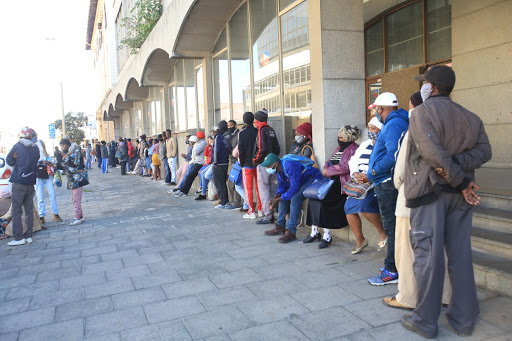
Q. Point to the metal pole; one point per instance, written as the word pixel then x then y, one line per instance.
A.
pixel 62 110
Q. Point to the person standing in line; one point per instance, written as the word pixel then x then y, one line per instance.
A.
pixel 266 143
pixel 98 154
pixel 44 179
pixel 142 152
pixel 88 150
pixel 440 191
pixel 123 160
pixel 165 162
pixel 23 158
pixel 382 160
pixel 235 200
pixel 246 143
pixel 172 155
pixel 130 155
pixel 220 161
pixel 155 160
pixel 104 157
pixel 73 165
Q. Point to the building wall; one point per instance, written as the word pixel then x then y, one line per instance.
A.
pixel 482 60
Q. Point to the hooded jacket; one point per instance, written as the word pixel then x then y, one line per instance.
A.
pixel 220 154
pixel 104 151
pixel 24 167
pixel 130 149
pixel 266 143
pixel 382 159
pixel 246 143
pixel 73 163
pixel 198 152
pixel 289 185
pixel 442 134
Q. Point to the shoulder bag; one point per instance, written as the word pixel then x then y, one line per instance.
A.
pixel 318 189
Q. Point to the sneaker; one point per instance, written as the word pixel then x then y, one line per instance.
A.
pixel 199 191
pixel 175 189
pixel 172 183
pixel 56 217
pixel 249 216
pixel 260 214
pixel 41 220
pixel 82 219
pixel 384 277
pixel 230 207
pixel 28 240
pixel 221 206
pixel 201 197
pixel 75 222
pixel 164 183
pixel 179 194
pixel 16 242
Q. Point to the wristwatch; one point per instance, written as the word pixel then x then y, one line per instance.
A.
pixel 373 172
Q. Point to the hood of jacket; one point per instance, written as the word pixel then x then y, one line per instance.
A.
pixel 27 143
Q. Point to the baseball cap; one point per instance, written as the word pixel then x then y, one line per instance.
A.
pixel 192 138
pixel 386 99
pixel 200 135
pixel 439 75
pixel 270 159
pixel 372 106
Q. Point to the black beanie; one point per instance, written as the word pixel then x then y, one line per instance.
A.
pixel 261 115
pixel 248 117
pixel 65 141
pixel 223 126
pixel 416 99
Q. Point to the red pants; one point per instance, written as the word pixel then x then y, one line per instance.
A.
pixel 250 176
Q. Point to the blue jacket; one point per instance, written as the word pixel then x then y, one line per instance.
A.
pixel 24 167
pixel 220 155
pixel 289 185
pixel 382 159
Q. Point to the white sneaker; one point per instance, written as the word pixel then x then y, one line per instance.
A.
pixel 82 219
pixel 28 240
pixel 260 214
pixel 179 194
pixel 75 222
pixel 16 242
pixel 249 216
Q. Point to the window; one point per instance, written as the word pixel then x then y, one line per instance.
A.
pixel 374 41
pixel 439 29
pixel 191 94
pixel 200 96
pixel 180 96
pixel 221 87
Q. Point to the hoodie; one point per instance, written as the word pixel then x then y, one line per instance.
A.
pixel 24 167
pixel 382 159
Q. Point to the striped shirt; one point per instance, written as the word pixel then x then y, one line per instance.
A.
pixel 359 161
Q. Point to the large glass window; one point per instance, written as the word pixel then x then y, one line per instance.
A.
pixel 374 40
pixel 200 96
pixel 240 63
pixel 405 37
pixel 180 96
pixel 221 86
pixel 265 62
pixel 439 29
pixel 191 94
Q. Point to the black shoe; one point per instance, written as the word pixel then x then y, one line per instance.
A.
pixel 264 221
pixel 410 326
pixel 244 209
pixel 201 197
pixel 173 183
pixel 324 243
pixel 310 239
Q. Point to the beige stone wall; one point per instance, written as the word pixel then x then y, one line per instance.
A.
pixel 402 84
pixel 482 60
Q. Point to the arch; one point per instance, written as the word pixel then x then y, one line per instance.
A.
pixel 105 116
pixel 134 92
pixel 199 31
pixel 121 104
pixel 157 69
pixel 112 112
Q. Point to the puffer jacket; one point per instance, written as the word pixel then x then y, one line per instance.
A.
pixel 24 166
pixel 442 134
pixel 382 159
pixel 293 177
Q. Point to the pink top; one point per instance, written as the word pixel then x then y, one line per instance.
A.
pixel 156 148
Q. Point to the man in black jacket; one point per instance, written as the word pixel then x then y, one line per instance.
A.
pixel 266 143
pixel 246 143
pixel 235 201
pixel 23 159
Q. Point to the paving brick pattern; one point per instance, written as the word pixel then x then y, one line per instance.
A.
pixel 147 266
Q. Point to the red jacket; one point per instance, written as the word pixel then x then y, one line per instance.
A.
pixel 130 150
pixel 208 155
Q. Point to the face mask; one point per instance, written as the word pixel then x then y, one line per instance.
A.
pixel 343 145
pixel 410 112
pixel 270 170
pixel 186 142
pixel 373 136
pixel 34 139
pixel 426 91
pixel 299 139
pixel 232 130
pixel 378 116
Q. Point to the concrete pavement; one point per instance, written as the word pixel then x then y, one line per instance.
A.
pixel 147 266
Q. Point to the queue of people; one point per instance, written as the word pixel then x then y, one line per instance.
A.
pixel 412 179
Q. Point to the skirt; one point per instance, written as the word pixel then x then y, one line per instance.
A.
pixel 155 159
pixel 367 205
pixel 328 213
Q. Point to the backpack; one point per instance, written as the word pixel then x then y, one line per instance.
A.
pixel 305 161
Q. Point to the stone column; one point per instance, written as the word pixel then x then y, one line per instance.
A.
pixel 208 93
pixel 336 31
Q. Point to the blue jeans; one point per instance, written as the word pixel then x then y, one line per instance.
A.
pixel 40 185
pixel 292 206
pixel 204 182
pixel 240 190
pixel 104 165
pixel 386 196
pixel 172 166
pixel 88 162
pixel 168 174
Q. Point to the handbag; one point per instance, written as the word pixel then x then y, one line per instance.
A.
pixel 318 189
pixel 235 175
pixel 42 171
pixel 357 190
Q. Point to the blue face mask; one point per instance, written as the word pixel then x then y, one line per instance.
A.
pixel 373 136
pixel 34 139
pixel 270 170
pixel 378 115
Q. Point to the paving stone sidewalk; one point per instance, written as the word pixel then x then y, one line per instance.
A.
pixel 147 266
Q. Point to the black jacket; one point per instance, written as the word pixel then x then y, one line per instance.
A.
pixel 246 143
pixel 24 166
pixel 266 143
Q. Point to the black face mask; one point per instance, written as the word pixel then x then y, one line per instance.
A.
pixel 343 145
pixel 232 130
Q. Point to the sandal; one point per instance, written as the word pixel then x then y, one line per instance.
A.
pixel 359 249
pixel 383 243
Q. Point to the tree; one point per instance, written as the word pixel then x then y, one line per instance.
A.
pixel 73 124
pixel 140 24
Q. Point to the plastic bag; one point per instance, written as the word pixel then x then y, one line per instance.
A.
pixel 57 179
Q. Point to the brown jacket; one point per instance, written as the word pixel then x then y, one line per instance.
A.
pixel 172 147
pixel 442 134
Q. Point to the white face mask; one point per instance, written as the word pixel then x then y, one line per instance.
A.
pixel 299 139
pixel 426 91
pixel 410 112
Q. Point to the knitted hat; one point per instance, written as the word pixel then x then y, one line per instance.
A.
pixel 27 133
pixel 305 129
pixel 261 115
pixel 223 126
pixel 349 133
pixel 248 117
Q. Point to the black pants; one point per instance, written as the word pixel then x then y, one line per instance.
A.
pixel 220 175
pixel 22 197
pixel 123 167
pixel 386 196
pixel 192 173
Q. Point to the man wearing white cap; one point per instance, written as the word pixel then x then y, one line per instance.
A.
pixel 382 160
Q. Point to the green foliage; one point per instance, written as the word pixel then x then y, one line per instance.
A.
pixel 145 15
pixel 73 124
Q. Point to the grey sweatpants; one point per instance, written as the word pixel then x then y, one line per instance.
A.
pixel 444 225
pixel 265 190
pixel 22 196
